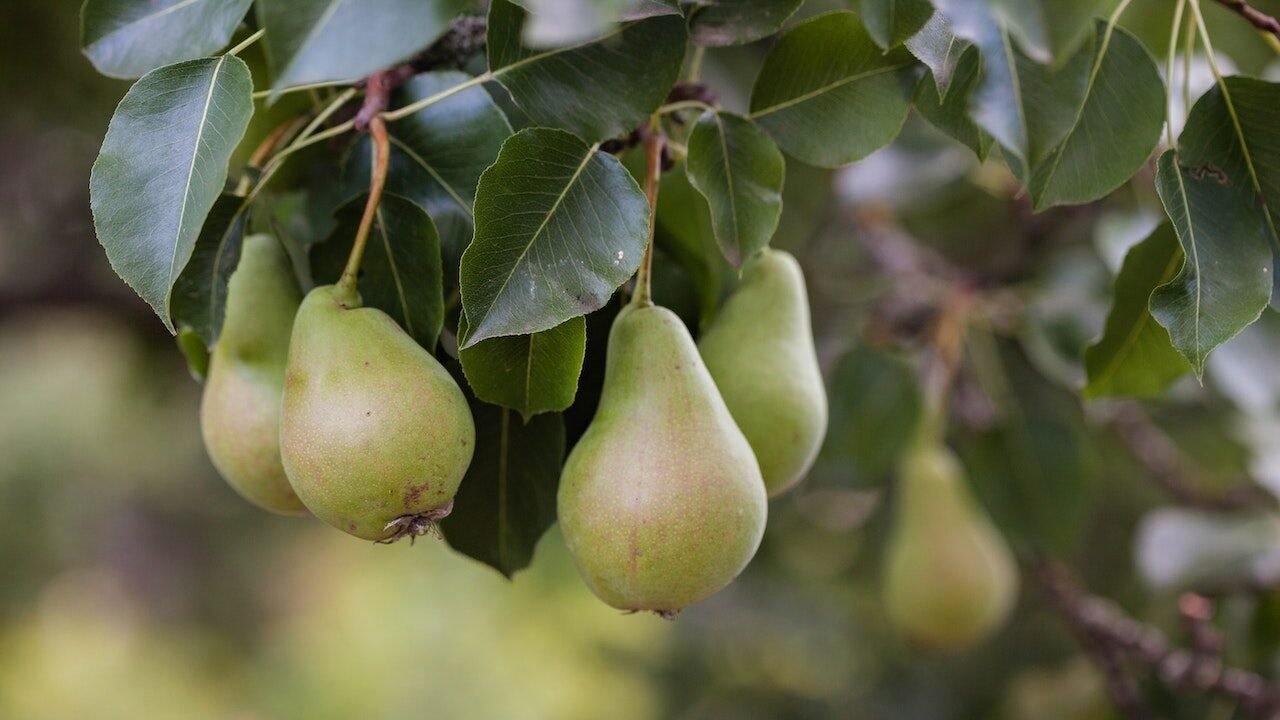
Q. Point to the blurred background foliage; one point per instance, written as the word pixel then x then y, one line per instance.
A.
pixel 134 583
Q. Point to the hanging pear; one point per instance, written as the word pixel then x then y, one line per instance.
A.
pixel 240 408
pixel 950 578
pixel 661 502
pixel 375 434
pixel 760 352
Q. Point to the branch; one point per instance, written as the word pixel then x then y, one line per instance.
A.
pixel 1256 17
pixel 1110 634
pixel 1161 456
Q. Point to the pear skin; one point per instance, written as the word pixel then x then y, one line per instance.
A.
pixel 661 502
pixel 760 351
pixel 240 408
pixel 374 432
pixel 950 578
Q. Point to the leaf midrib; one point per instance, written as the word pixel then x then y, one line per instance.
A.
pixel 1131 338
pixel 330 10
pixel 448 188
pixel 826 89
pixel 145 19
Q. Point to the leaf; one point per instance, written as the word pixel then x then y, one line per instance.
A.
pixel 162 165
pixel 739 170
pixel 195 352
pixel 556 23
pixel 828 95
pixel 939 49
pixel 596 90
pixel 507 499
pixel 1116 126
pixel 128 38
pixel 720 23
pixel 1134 357
pixel 951 115
pixel 890 22
pixel 559 226
pixel 316 41
pixel 876 406
pixel 437 155
pixel 685 233
pixel 200 293
pixel 528 373
pixel 400 272
pixel 1225 281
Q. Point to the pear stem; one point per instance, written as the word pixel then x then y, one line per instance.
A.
pixel 381 157
pixel 654 141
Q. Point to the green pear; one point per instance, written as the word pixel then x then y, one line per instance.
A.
pixel 240 409
pixel 950 578
pixel 374 432
pixel 661 502
pixel 760 352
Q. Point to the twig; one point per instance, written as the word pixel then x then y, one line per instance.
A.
pixel 1157 451
pixel 1259 19
pixel 1101 624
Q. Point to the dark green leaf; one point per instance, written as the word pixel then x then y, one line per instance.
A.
pixel 597 90
pixel 128 38
pixel 162 166
pixel 1134 356
pixel 200 293
pixel 507 499
pixel 720 23
pixel 400 272
pixel 828 95
pixel 556 23
pixel 1225 281
pixel 315 41
pixel 684 232
pixel 739 171
pixel 875 409
pixel 559 226
pixel 938 48
pixel 1116 125
pixel 437 155
pixel 528 373
pixel 951 115
pixel 890 22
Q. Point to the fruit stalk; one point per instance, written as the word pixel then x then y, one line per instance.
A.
pixel 654 141
pixel 378 180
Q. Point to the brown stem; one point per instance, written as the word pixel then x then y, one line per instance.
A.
pixel 654 141
pixel 382 154
pixel 273 140
pixel 1105 628
pixel 1259 19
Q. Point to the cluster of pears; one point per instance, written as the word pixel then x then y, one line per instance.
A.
pixel 320 404
pixel 950 579
pixel 664 499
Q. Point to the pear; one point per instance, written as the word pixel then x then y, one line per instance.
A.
pixel 374 432
pixel 950 578
pixel 661 502
pixel 240 408
pixel 760 352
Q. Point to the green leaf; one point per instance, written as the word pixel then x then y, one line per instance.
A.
pixel 400 272
pixel 890 22
pixel 720 23
pixel 507 499
pixel 597 90
pixel 685 233
pixel 162 166
pixel 951 115
pixel 559 227
pixel 195 352
pixel 200 293
pixel 555 23
pixel 316 41
pixel 1115 128
pixel 739 170
pixel 828 95
pixel 128 38
pixel 876 405
pixel 530 374
pixel 1135 357
pixel 939 49
pixel 437 155
pixel 1225 281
